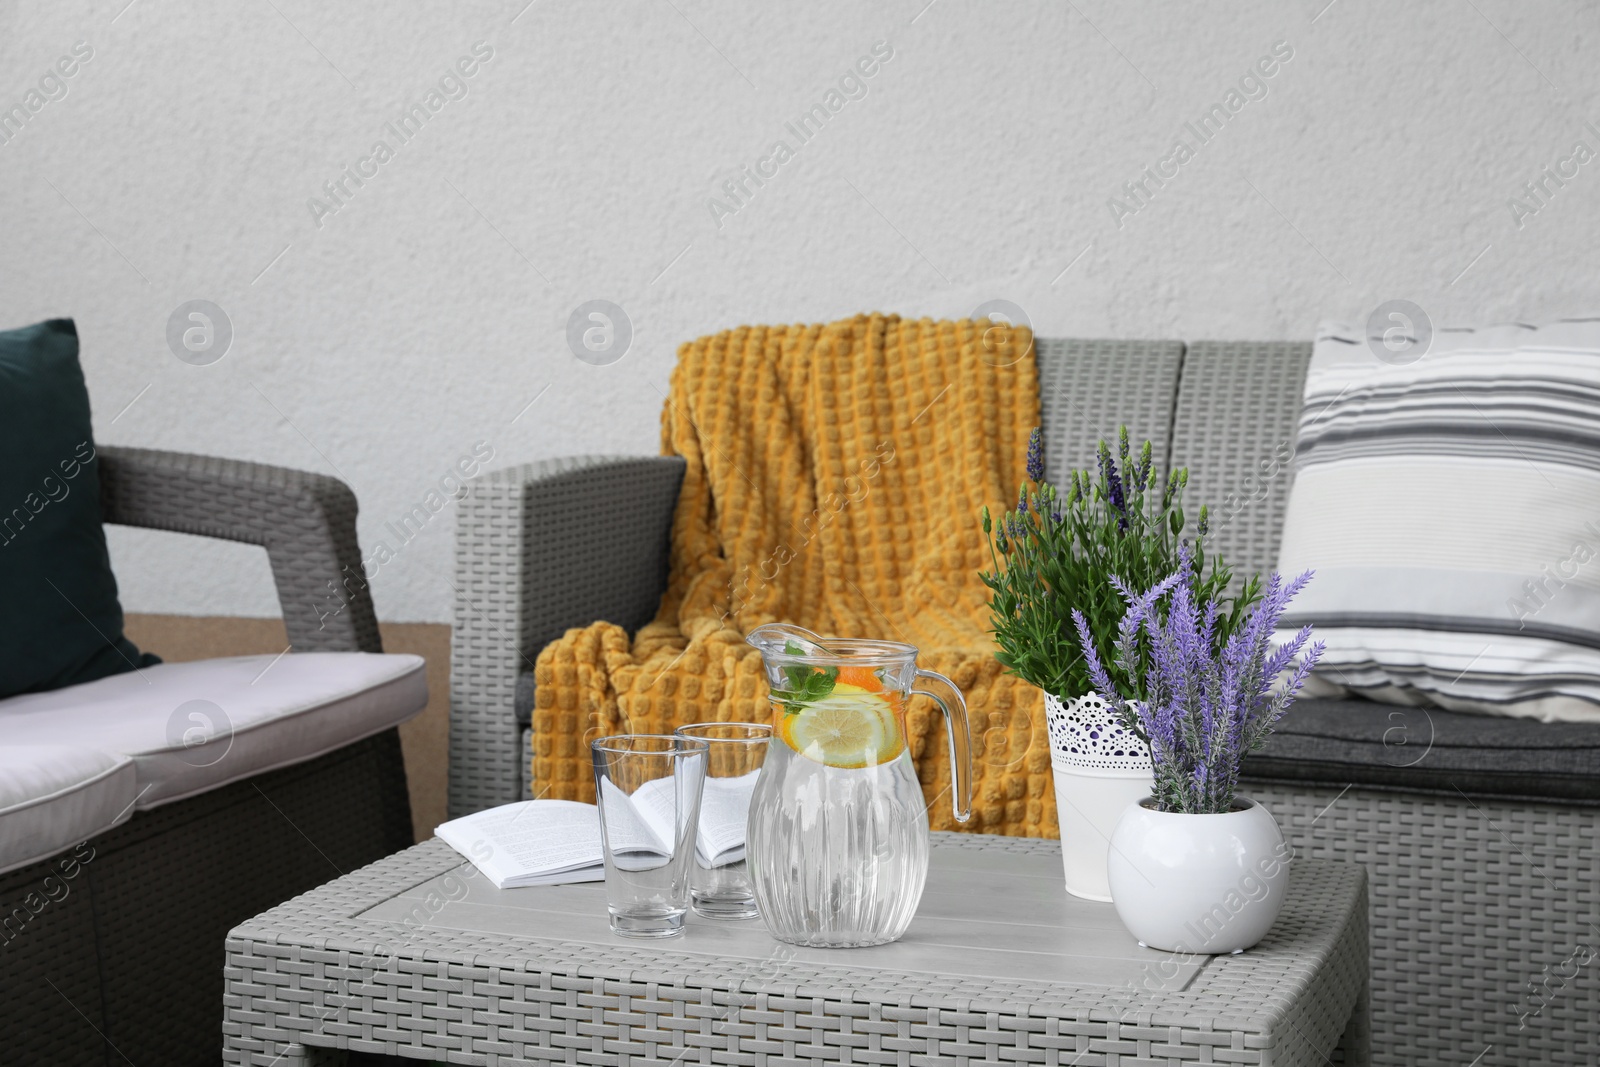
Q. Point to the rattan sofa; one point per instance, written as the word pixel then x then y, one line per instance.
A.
pixel 126 966
pixel 1479 835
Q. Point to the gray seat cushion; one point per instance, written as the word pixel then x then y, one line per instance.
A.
pixel 1430 750
pixel 1422 750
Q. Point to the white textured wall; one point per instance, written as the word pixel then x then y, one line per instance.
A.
pixel 426 313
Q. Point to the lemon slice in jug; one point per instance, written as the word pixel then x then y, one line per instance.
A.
pixel 851 727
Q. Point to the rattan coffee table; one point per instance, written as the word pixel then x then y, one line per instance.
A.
pixel 418 956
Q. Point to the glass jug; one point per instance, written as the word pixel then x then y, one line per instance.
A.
pixel 837 843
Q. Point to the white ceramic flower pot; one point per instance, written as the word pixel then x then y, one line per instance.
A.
pixel 1099 769
pixel 1201 884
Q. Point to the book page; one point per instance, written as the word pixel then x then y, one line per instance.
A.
pixel 633 822
pixel 531 837
pixel 593 873
pixel 656 804
pixel 724 810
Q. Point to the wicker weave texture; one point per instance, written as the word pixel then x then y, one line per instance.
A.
pixel 526 742
pixel 541 548
pixel 1234 428
pixel 1484 912
pixel 312 973
pixel 127 966
pixel 50 1002
pixel 306 522
pixel 1087 389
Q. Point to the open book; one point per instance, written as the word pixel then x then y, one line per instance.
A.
pixel 552 842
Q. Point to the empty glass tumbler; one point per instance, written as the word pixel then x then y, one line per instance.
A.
pixel 648 787
pixel 721 887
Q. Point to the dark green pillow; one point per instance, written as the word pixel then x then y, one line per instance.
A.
pixel 60 622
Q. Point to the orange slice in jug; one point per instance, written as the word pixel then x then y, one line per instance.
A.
pixel 851 727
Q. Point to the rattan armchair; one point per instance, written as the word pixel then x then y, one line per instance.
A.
pixel 127 965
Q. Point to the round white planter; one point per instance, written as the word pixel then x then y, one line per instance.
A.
pixel 1202 884
pixel 1099 769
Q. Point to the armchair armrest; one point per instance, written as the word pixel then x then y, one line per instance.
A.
pixel 306 522
pixel 541 548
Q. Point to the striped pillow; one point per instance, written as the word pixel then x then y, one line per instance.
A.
pixel 1451 510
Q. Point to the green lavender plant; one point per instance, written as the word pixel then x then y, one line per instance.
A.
pixel 1058 550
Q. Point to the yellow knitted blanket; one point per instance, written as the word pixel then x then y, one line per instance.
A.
pixel 835 479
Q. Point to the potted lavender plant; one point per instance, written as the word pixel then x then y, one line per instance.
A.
pixel 1194 867
pixel 1054 555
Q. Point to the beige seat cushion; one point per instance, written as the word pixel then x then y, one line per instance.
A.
pixel 191 727
pixel 54 796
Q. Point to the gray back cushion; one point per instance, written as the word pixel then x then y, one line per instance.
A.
pixel 1089 388
pixel 1238 408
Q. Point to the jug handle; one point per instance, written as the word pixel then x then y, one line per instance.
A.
pixel 954 707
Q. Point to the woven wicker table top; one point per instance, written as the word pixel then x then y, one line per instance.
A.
pixel 418 954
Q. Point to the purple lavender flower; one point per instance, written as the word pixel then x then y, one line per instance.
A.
pixel 1204 708
pixel 1036 455
pixel 1114 488
pixel 1097 670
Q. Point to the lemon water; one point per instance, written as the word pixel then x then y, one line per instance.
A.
pixel 837 855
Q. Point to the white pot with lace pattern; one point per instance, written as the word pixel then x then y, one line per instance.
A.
pixel 1100 768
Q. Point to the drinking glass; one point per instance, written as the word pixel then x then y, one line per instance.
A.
pixel 721 887
pixel 648 787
